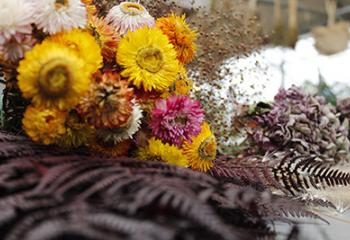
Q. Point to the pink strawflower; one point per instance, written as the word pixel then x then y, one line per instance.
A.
pixel 15 17
pixel 129 16
pixel 176 119
pixel 14 48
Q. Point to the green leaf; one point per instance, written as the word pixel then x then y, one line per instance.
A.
pixel 325 91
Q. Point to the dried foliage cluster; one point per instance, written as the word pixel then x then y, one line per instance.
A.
pixel 50 194
pixel 225 36
pixel 222 35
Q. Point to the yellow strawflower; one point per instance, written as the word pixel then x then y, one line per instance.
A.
pixel 156 150
pixel 181 86
pixel 78 132
pixel 44 125
pixel 84 44
pixel 201 152
pixel 148 59
pixel 53 75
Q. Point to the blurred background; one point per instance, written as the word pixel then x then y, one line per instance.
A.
pixel 311 13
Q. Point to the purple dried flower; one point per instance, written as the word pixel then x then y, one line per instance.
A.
pixel 344 107
pixel 303 124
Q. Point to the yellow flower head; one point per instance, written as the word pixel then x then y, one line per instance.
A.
pixel 78 132
pixel 180 35
pixel 84 44
pixel 181 86
pixel 53 75
pixel 44 125
pixel 201 152
pixel 111 149
pixel 148 59
pixel 158 151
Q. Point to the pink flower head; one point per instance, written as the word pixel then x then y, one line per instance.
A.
pixel 176 119
pixel 129 16
pixel 15 17
pixel 14 48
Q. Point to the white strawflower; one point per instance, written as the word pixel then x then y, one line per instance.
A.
pixel 15 17
pixel 59 15
pixel 117 135
pixel 14 48
pixel 129 16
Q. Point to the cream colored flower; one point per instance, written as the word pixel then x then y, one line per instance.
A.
pixel 59 15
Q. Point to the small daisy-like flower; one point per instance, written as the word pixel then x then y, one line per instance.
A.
pixel 112 149
pixel 201 152
pixel 176 119
pixel 84 44
pixel 53 76
pixel 181 86
pixel 109 103
pixel 13 49
pixel 105 36
pixel 44 125
pixel 158 151
pixel 148 59
pixel 78 132
pixel 116 135
pixel 55 16
pixel 129 16
pixel 15 17
pixel 180 35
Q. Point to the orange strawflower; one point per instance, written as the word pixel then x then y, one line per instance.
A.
pixel 180 35
pixel 109 103
pixel 105 36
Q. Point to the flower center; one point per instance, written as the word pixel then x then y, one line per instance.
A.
pixel 181 120
pixel 132 8
pixel 207 149
pixel 150 59
pixel 74 121
pixel 61 3
pixel 48 118
pixel 54 79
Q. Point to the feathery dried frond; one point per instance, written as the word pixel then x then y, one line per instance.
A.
pixel 303 177
pixel 50 195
